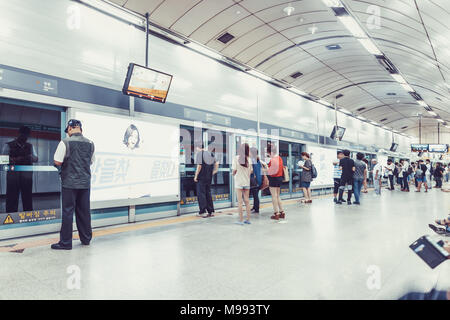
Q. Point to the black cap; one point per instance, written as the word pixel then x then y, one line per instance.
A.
pixel 73 123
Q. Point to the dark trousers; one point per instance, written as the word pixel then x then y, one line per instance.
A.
pixel 77 200
pixel 19 183
pixel 391 181
pixel 405 185
pixel 255 195
pixel 438 182
pixel 204 197
pixel 345 183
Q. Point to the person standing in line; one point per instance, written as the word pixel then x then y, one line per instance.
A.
pixel 428 175
pixel 306 177
pixel 348 169
pixel 337 173
pixel 447 173
pixel 367 177
pixel 396 172
pixel 242 170
pixel 275 175
pixel 377 174
pixel 207 167
pixel 359 176
pixel 73 158
pixel 258 165
pixel 438 175
pixel 390 167
pixel 420 176
pixel 405 175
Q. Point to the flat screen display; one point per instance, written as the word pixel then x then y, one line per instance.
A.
pixel 338 133
pixel 147 83
pixel 394 147
pixel 133 158
pixel 419 148
pixel 439 148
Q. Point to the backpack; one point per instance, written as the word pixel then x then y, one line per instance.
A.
pixel 313 171
pixel 410 170
pixel 419 173
pixel 395 171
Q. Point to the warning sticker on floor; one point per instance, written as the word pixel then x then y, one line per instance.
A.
pixel 8 220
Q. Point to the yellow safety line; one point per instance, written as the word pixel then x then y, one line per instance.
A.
pixel 127 228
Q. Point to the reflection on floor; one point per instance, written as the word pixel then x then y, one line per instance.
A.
pixel 323 251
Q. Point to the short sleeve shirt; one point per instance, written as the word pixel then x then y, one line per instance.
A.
pixel 206 160
pixel 347 165
pixel 307 174
pixel 242 177
pixel 360 167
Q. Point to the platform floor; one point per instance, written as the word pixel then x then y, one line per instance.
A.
pixel 323 251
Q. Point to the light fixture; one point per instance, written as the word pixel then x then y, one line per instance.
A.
pixel 440 120
pixel 332 3
pixel 422 103
pixel 432 113
pixel 361 118
pixel 352 25
pixel 407 87
pixel 370 46
pixel 298 91
pixel 210 53
pixel 345 111
pixel 397 77
pixel 288 10
pixel 115 11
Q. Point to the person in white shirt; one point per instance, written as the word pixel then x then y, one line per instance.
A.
pixel 404 175
pixel 428 175
pixel 390 167
pixel 377 174
pixel 242 169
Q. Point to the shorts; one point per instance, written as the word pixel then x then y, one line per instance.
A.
pixel 305 184
pixel 346 182
pixel 243 187
pixel 275 182
pixel 337 183
pixel 421 179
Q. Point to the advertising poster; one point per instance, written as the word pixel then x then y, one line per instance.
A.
pixel 322 159
pixel 133 158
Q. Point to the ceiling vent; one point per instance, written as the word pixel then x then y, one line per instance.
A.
pixel 225 38
pixel 340 95
pixel 333 47
pixel 361 109
pixel 415 95
pixel 340 11
pixel 391 94
pixel 382 120
pixel 404 127
pixel 387 64
pixel 296 75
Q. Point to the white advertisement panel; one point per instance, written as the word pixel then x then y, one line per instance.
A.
pixel 133 158
pixel 322 159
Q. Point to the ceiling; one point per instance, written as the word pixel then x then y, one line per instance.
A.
pixel 412 34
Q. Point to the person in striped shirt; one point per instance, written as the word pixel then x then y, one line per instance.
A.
pixel 337 173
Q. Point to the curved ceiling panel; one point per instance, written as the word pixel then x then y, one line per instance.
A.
pixel 281 38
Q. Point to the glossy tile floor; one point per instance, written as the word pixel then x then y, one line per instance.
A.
pixel 323 251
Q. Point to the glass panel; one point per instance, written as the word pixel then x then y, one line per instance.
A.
pixel 29 184
pixel 296 150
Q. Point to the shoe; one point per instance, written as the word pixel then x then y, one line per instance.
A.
pixel 209 215
pixel 58 246
pixel 275 217
pixel 339 202
pixel 356 203
pixel 85 243
pixel 255 211
pixel 349 202
pixel 282 215
pixel 239 222
pixel 335 200
pixel 201 215
pixel 247 222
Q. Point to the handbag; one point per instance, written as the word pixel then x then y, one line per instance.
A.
pixel 265 183
pixel 285 174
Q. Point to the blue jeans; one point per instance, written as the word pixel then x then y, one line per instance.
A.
pixel 357 186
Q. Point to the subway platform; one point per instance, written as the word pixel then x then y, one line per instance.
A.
pixel 321 251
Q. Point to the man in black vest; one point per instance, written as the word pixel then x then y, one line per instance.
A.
pixel 74 157
pixel 20 153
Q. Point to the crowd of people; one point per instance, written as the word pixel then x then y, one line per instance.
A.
pixel 251 175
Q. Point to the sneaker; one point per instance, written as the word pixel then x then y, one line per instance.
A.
pixel 255 211
pixel 239 222
pixel 247 222
pixel 349 202
pixel 335 200
pixel 356 202
pixel 209 215
pixel 59 246
pixel 275 217
pixel 339 202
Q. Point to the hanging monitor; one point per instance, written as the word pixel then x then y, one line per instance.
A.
pixel 419 148
pixel 338 133
pixel 438 148
pixel 394 147
pixel 147 83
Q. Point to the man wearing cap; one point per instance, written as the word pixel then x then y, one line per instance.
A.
pixel 73 158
